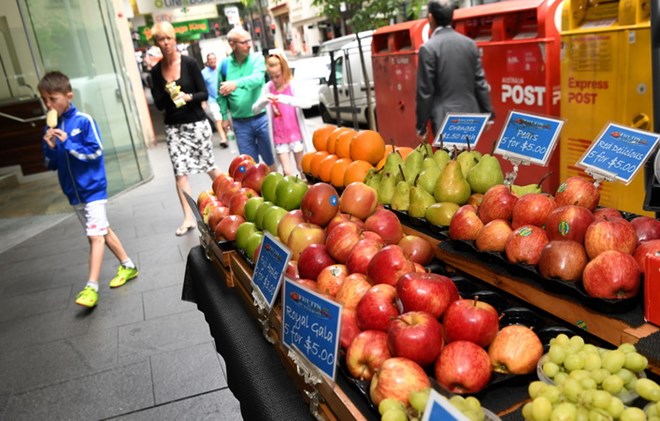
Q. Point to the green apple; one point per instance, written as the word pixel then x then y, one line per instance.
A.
pixel 251 207
pixel 269 186
pixel 290 192
pixel 259 215
pixel 243 233
pixel 272 219
pixel 253 242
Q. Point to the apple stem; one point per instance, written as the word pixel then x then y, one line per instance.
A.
pixel 474 301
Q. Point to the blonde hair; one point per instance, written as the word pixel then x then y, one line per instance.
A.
pixel 277 59
pixel 162 29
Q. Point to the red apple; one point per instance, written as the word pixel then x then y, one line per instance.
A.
pixel 230 190
pixel 312 260
pixel 302 235
pixel 388 265
pixel 569 222
pixel 493 236
pixel 532 209
pixel 373 236
pixel 429 292
pixel 607 213
pixel 612 274
pixel 237 204
pixel 377 307
pixel 463 367
pixel 254 176
pixel 352 290
pixel 516 350
pixel 208 207
pixel 386 224
pixel 361 254
pixel 396 378
pixel 291 270
pixel 525 244
pixel 203 198
pixel 358 200
pixel 331 278
pixel 465 224
pixel 416 335
pixel 288 223
pixel 475 199
pixel 497 203
pixel 229 225
pixel 349 328
pixel 564 260
pixel 419 249
pixel 610 234
pixel 646 228
pixel 307 283
pixel 366 354
pixel 237 161
pixel 578 191
pixel 471 320
pixel 320 204
pixel 342 217
pixel 644 250
pixel 219 182
pixel 341 240
pixel 242 169
pixel 216 214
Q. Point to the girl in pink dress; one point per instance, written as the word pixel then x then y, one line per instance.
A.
pixel 285 117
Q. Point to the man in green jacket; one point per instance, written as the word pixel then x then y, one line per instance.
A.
pixel 240 81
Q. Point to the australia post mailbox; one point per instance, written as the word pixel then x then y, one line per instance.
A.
pixel 605 77
pixel 394 60
pixel 520 45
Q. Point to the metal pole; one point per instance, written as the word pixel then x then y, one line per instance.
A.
pixel 333 78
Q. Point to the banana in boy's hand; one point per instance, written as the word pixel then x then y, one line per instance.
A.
pixel 51 118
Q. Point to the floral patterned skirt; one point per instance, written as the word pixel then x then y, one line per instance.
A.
pixel 190 147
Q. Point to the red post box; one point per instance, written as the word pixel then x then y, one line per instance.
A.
pixel 520 45
pixel 394 61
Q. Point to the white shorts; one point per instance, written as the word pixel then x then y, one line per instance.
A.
pixel 294 147
pixel 213 111
pixel 93 217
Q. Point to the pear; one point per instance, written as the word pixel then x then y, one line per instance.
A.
pixel 393 162
pixel 420 200
pixel 441 157
pixel 429 162
pixel 485 174
pixel 440 214
pixel 427 149
pixel 428 177
pixel 413 165
pixel 386 188
pixel 468 158
pixel 452 185
pixel 401 197
pixel 372 179
pixel 530 188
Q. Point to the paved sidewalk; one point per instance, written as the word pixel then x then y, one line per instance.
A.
pixel 142 353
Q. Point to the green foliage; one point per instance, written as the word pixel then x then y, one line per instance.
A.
pixel 370 14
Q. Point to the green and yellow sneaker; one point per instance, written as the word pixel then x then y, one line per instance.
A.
pixel 124 275
pixel 87 297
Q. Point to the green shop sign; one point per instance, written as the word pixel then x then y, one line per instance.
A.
pixel 184 30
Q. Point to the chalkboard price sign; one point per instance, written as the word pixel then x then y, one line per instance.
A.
pixel 310 324
pixel 459 129
pixel 529 138
pixel 270 267
pixel 619 152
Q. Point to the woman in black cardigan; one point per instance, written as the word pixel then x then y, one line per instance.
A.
pixel 178 88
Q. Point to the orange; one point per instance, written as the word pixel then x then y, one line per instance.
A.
pixel 307 162
pixel 337 172
pixel 368 145
pixel 315 165
pixel 325 166
pixel 404 151
pixel 332 138
pixel 343 145
pixel 356 171
pixel 320 137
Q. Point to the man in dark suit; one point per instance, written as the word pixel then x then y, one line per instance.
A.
pixel 450 77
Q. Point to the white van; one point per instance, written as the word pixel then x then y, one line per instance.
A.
pixel 347 75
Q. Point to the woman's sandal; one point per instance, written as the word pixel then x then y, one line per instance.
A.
pixel 224 144
pixel 183 229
